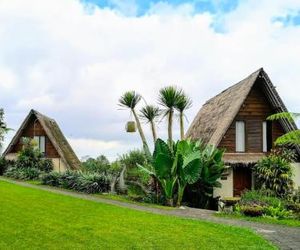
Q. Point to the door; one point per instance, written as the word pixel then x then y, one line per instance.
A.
pixel 242 180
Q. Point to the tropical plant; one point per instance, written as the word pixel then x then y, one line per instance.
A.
pixel 211 171
pixel 23 173
pixel 292 137
pixel 189 167
pixel 149 114
pixel 163 168
pixel 82 182
pixel 183 103
pixel 168 98
pixel 130 99
pixel 275 173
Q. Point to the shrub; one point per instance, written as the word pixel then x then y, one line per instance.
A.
pixel 4 165
pixel 78 181
pixel 23 173
pixel 277 212
pixel 274 172
pixel 253 211
pixel 260 197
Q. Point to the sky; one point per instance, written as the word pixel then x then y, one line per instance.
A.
pixel 71 59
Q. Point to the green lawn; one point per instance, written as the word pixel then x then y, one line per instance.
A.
pixel 286 222
pixel 36 219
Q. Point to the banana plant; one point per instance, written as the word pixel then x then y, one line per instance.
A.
pixel 188 157
pixel 163 168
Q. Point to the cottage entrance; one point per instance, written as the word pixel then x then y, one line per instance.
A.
pixel 242 180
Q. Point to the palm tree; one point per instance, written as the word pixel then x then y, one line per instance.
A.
pixel 292 137
pixel 3 128
pixel 149 113
pixel 168 97
pixel 183 103
pixel 130 99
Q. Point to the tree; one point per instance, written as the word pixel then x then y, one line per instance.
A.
pixel 183 103
pixel 99 165
pixel 168 98
pixel 292 137
pixel 3 128
pixel 150 113
pixel 130 99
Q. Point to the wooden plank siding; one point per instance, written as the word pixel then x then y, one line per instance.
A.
pixel 253 112
pixel 34 128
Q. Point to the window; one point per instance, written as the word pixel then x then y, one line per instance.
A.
pixel 41 143
pixel 265 139
pixel 267 136
pixel 240 136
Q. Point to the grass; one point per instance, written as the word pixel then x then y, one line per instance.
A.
pixel 37 219
pixel 266 220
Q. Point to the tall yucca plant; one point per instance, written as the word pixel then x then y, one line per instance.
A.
pixel 3 128
pixel 290 138
pixel 150 113
pixel 168 98
pixel 183 103
pixel 130 99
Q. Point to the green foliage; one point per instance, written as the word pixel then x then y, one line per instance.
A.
pixel 133 158
pixel 292 137
pixel 29 157
pixel 275 173
pixel 3 127
pixel 212 170
pixel 277 212
pixel 260 198
pixel 4 165
pixel 130 99
pixel 78 181
pixel 184 165
pixel 23 173
pixel 150 113
pixel 98 165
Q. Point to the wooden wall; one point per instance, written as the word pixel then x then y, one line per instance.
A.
pixel 35 128
pixel 254 111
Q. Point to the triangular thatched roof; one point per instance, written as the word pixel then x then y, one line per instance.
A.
pixel 54 134
pixel 218 113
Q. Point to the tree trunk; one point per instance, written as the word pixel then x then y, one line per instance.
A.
pixel 153 131
pixel 180 194
pixel 170 202
pixel 181 126
pixel 170 128
pixel 141 132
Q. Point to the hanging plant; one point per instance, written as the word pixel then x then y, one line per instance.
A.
pixel 131 127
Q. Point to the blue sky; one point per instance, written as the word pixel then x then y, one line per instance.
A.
pixel 74 67
pixel 200 6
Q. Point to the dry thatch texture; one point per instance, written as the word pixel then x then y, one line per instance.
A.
pixel 56 137
pixel 246 158
pixel 217 114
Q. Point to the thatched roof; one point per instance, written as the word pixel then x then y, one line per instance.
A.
pixel 246 158
pixel 54 134
pixel 218 113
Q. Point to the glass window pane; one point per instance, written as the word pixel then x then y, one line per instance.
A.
pixel 240 136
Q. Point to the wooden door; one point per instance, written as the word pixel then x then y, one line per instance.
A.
pixel 242 180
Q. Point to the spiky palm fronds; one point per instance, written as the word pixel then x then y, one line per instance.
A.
pixel 169 96
pixel 284 115
pixel 291 138
pixel 149 113
pixel 183 103
pixel 130 99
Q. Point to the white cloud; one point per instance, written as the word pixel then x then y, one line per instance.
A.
pixel 73 65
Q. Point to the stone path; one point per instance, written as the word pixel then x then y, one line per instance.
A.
pixel 282 236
